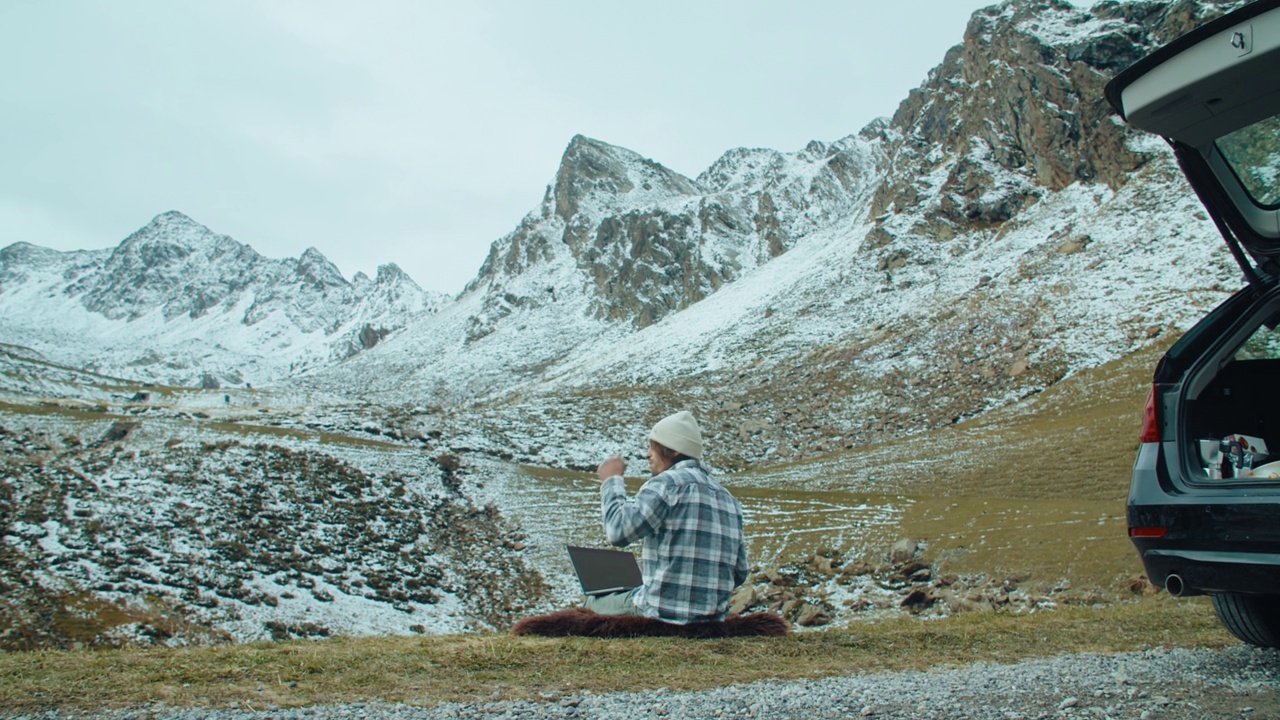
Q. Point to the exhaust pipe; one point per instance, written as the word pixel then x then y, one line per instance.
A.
pixel 1173 584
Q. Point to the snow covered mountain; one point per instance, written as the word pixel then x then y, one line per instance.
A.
pixel 1001 231
pixel 176 303
pixel 644 241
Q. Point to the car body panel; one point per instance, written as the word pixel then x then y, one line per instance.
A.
pixel 1214 529
pixel 1212 81
pixel 1214 95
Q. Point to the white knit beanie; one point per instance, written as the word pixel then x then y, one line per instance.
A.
pixel 679 432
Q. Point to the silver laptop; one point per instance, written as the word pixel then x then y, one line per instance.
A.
pixel 604 571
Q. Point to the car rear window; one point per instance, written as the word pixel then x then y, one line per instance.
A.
pixel 1254 154
pixel 1263 344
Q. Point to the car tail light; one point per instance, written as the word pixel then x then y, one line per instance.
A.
pixel 1147 532
pixel 1150 421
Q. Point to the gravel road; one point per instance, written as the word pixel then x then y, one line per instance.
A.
pixel 1236 682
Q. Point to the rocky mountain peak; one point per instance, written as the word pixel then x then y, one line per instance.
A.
pixel 642 241
pixel 20 259
pixel 168 237
pixel 316 271
pixel 1015 110
pixel 594 169
pixel 171 226
pixel 390 274
pixel 166 264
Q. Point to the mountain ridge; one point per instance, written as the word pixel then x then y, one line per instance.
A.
pixel 954 258
pixel 178 303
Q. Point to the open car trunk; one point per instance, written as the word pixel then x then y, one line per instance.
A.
pixel 1228 430
pixel 1204 495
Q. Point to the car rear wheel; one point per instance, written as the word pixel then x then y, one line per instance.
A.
pixel 1254 619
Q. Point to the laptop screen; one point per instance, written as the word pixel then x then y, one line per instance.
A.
pixel 604 571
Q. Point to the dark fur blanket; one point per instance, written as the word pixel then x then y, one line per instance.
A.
pixel 581 621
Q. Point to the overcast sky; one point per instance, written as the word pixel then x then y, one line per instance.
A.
pixel 411 131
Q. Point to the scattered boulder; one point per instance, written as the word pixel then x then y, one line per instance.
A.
pixel 825 587
pixel 911 572
pixel 810 615
pixel 120 430
pixel 1142 586
pixel 370 336
pixel 918 599
pixel 821 564
pixel 854 569
pixel 778 577
pixel 903 550
pixel 1074 245
pixel 742 598
pixel 450 465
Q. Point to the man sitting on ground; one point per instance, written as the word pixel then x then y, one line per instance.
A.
pixel 693 554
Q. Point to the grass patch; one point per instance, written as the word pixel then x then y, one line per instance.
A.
pixel 94 411
pixel 1082 542
pixel 89 413
pixel 1075 440
pixel 433 669
pixel 1035 489
pixel 23 355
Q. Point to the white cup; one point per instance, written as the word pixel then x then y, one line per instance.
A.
pixel 1211 454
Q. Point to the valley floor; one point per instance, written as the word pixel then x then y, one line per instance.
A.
pixel 1030 602
pixel 1018 510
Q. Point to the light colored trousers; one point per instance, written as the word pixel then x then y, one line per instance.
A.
pixel 619 603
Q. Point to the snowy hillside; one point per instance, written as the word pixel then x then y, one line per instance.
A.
pixel 164 525
pixel 1000 232
pixel 176 303
pixel 639 245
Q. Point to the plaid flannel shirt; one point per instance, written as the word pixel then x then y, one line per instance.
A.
pixel 694 554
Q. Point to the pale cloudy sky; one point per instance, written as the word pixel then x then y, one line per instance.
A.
pixel 411 131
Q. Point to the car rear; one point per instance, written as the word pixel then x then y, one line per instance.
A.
pixel 1204 497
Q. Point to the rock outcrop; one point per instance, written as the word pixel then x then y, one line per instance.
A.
pixel 1014 111
pixel 642 241
pixel 827 587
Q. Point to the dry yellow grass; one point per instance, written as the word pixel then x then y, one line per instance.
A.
pixel 1077 440
pixel 434 669
pixel 1034 489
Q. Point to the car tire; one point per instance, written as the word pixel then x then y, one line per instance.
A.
pixel 1254 619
